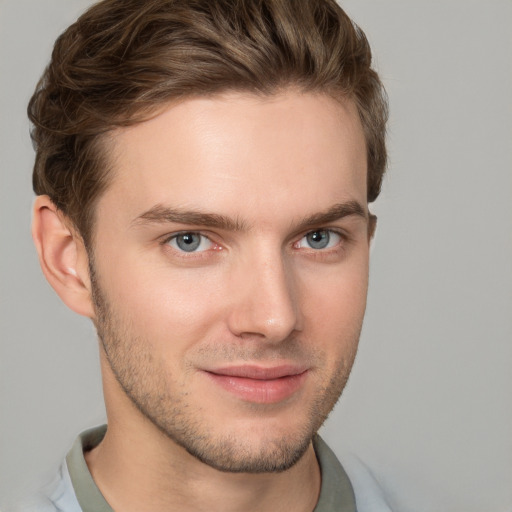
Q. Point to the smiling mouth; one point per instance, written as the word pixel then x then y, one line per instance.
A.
pixel 259 384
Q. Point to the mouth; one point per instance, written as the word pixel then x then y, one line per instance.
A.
pixel 257 384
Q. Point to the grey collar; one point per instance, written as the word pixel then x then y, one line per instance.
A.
pixel 336 493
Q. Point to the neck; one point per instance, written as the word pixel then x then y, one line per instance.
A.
pixel 148 471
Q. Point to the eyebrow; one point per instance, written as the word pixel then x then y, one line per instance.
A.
pixel 335 212
pixel 160 214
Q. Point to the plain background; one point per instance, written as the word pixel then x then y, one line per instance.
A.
pixel 428 407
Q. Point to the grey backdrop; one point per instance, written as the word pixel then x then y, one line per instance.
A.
pixel 428 406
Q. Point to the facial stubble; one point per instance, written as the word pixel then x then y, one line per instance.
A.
pixel 145 383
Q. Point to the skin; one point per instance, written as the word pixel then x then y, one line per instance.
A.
pixel 257 181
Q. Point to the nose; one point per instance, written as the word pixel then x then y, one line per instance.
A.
pixel 266 302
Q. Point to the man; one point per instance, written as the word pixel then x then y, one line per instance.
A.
pixel 203 174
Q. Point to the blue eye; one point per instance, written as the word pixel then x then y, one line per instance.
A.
pixel 190 242
pixel 320 239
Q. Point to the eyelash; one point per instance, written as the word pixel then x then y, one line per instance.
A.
pixel 343 238
pixel 197 254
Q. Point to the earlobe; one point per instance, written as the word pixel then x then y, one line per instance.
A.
pixel 372 226
pixel 62 256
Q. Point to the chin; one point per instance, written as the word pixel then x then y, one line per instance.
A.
pixel 239 455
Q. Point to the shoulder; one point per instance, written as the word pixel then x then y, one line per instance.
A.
pixel 57 496
pixel 36 502
pixel 349 475
pixel 370 496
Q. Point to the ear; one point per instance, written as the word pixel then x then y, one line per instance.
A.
pixel 372 226
pixel 62 256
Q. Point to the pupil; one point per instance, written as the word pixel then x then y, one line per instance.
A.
pixel 318 239
pixel 188 241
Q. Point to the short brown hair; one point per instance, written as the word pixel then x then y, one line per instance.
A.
pixel 124 59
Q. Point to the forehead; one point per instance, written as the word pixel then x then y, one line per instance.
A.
pixel 239 154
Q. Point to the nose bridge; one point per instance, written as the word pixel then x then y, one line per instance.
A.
pixel 267 302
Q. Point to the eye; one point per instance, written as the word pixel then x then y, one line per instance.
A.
pixel 319 239
pixel 190 242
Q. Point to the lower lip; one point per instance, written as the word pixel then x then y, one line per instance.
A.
pixel 260 391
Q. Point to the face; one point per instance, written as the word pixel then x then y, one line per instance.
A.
pixel 230 272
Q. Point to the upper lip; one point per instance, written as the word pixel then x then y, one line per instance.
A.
pixel 259 372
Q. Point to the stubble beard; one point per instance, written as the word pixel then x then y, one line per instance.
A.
pixel 146 385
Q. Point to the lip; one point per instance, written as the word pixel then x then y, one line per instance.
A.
pixel 257 384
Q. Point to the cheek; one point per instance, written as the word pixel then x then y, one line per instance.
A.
pixel 334 304
pixel 164 306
